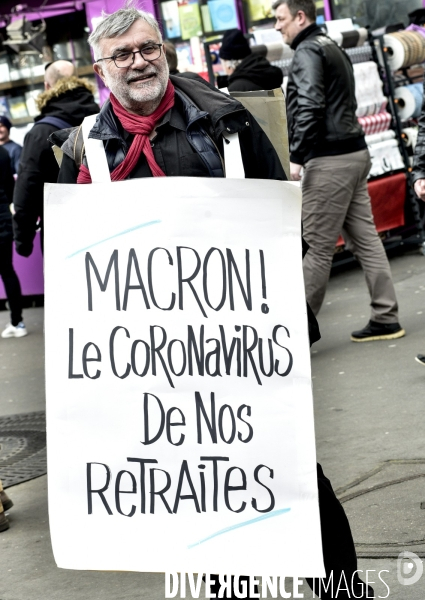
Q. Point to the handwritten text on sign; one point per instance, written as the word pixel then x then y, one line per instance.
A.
pixel 213 356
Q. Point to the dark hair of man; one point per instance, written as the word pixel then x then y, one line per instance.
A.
pixel 307 6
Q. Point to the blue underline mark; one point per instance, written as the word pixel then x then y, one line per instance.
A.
pixel 275 513
pixel 141 226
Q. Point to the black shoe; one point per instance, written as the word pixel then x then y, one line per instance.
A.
pixel 421 359
pixel 378 331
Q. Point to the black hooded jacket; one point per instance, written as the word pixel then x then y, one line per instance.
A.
pixel 6 192
pixel 71 100
pixel 255 73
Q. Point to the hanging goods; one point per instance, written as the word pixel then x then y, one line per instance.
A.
pixel 410 137
pixel 375 138
pixel 385 157
pixel 409 101
pixel 360 54
pixel 350 39
pixel 404 48
pixel 375 123
pixel 369 96
pixel 278 51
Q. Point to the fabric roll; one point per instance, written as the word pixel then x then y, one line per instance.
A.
pixel 396 52
pixel 385 157
pixel 360 54
pixel 410 137
pixel 375 123
pixel 355 38
pixel 277 51
pixel 375 138
pixel 350 39
pixel 409 101
pixel 363 35
pixel 404 48
pixel 369 96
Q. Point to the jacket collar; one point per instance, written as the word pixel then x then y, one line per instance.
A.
pixel 199 100
pixel 310 31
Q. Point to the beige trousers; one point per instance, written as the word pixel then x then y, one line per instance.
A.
pixel 336 201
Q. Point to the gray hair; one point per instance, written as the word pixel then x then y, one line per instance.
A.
pixel 232 63
pixel 118 23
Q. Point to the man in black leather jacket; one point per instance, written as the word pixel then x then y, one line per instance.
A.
pixel 327 140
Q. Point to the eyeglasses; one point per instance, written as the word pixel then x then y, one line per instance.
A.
pixel 124 60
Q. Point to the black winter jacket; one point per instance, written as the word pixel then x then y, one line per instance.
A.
pixel 320 100
pixel 71 99
pixel 6 193
pixel 255 73
pixel 197 137
pixel 419 159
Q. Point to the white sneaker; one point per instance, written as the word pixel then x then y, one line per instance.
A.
pixel 14 331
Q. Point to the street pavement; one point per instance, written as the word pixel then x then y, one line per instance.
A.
pixel 369 411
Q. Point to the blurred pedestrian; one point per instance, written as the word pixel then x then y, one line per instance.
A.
pixel 5 504
pixel 327 140
pixel 246 71
pixel 16 327
pixel 171 56
pixel 12 147
pixel 172 60
pixel 64 104
pixel 418 175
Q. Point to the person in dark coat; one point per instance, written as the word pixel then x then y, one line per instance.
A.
pixel 65 102
pixel 16 327
pixel 172 60
pixel 12 147
pixel 246 71
pixel 418 176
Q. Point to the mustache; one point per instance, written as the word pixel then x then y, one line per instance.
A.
pixel 138 74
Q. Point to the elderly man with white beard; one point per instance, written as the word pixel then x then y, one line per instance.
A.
pixel 157 125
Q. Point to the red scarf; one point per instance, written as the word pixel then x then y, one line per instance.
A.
pixel 141 127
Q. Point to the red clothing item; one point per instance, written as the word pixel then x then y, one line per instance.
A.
pixel 141 127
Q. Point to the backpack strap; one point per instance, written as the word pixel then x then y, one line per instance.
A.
pixel 95 153
pixel 56 121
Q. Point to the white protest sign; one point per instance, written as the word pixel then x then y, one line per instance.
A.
pixel 179 405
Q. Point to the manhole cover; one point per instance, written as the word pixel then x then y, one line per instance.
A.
pixel 22 447
pixel 386 509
